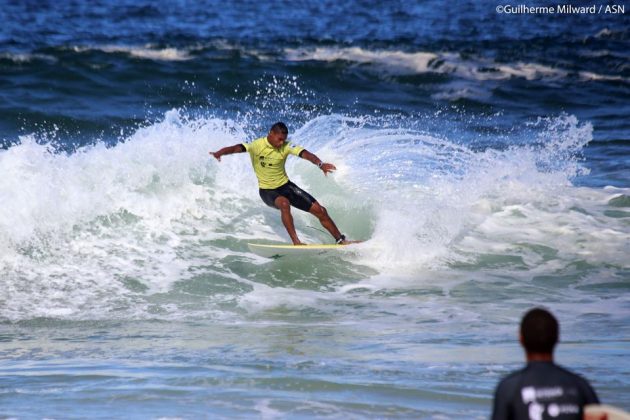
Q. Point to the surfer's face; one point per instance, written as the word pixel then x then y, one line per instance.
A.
pixel 276 139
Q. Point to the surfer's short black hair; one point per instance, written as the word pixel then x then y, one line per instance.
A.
pixel 540 331
pixel 280 127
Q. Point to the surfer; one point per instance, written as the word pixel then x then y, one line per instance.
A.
pixel 542 389
pixel 268 156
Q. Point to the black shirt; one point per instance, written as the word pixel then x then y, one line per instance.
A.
pixel 542 390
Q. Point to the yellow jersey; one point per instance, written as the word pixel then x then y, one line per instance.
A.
pixel 268 162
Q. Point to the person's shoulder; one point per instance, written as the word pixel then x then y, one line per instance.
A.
pixel 511 379
pixel 573 375
pixel 587 391
pixel 514 374
pixel 506 394
pixel 254 144
pixel 292 148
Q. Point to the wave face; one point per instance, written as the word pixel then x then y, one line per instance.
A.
pixel 482 158
pixel 100 232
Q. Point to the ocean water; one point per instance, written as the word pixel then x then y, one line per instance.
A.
pixel 483 158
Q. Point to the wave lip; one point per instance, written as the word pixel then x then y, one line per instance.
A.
pixel 402 63
pixel 147 52
pixel 397 61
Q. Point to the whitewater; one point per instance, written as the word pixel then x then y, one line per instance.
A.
pixel 155 209
pixel 148 236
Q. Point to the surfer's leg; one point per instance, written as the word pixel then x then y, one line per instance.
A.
pixel 320 212
pixel 284 205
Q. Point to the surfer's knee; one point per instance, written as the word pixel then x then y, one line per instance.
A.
pixel 283 204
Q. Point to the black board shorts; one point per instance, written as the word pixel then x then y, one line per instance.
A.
pixel 296 196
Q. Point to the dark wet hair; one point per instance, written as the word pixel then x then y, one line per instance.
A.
pixel 540 331
pixel 280 127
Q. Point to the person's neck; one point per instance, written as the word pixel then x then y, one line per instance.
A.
pixel 539 357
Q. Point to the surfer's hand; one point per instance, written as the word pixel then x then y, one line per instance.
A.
pixel 327 167
pixel 216 155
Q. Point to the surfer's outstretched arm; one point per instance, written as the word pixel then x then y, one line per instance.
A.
pixel 325 167
pixel 237 148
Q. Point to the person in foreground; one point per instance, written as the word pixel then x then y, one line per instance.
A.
pixel 542 389
pixel 268 156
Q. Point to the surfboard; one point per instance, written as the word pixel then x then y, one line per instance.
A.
pixel 284 250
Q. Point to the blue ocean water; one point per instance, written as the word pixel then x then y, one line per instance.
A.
pixel 483 157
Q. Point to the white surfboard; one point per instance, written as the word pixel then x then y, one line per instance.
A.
pixel 283 250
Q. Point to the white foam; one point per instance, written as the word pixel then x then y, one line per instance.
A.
pixel 97 233
pixel 265 410
pixel 149 52
pixel 26 57
pixel 438 201
pixel 588 76
pixel 397 61
pixel 92 219
pixel 411 63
